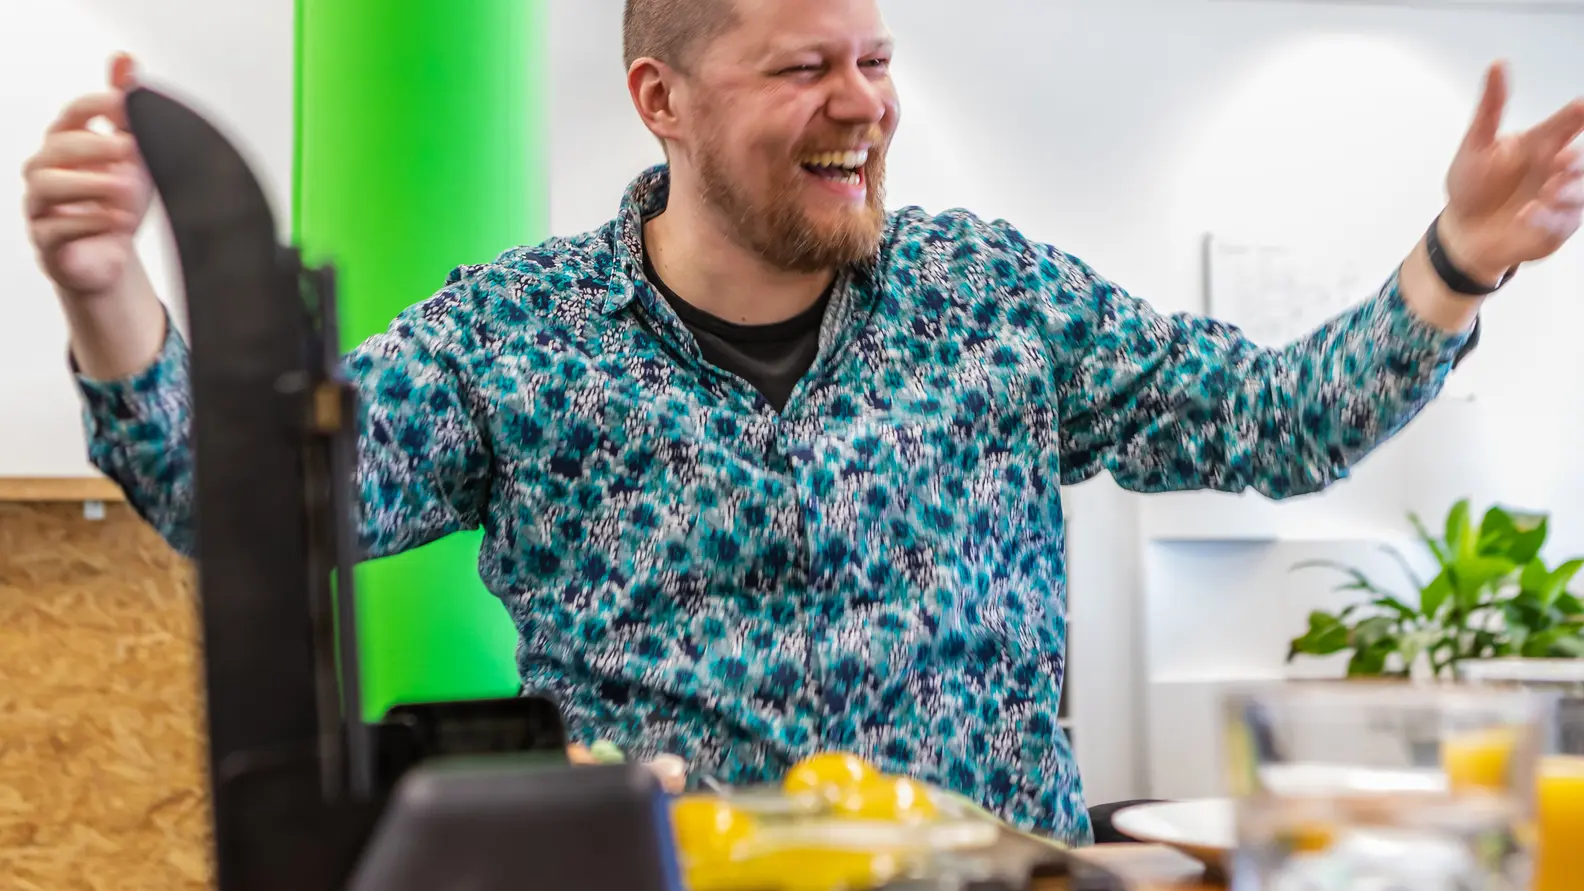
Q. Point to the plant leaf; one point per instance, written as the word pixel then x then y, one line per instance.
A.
pixel 1522 621
pixel 1359 581
pixel 1568 605
pixel 1534 577
pixel 1485 644
pixel 1459 532
pixel 1326 635
pixel 1435 594
pixel 1558 581
pixel 1403 610
pixel 1367 663
pixel 1571 647
pixel 1402 562
pixel 1427 539
pixel 1539 645
pixel 1529 535
pixel 1496 532
pixel 1472 575
pixel 1371 632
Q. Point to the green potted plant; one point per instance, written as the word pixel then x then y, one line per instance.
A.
pixel 1492 597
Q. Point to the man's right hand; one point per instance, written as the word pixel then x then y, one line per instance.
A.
pixel 86 193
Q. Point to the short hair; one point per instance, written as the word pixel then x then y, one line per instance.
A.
pixel 672 30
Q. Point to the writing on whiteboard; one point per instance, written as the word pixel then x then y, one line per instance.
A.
pixel 1278 293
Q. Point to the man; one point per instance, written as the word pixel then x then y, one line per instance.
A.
pixel 764 469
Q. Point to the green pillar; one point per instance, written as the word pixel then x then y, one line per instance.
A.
pixel 419 147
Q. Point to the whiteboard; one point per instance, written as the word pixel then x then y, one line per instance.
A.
pixel 1277 293
pixel 233 61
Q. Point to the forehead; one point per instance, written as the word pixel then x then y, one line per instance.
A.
pixel 768 27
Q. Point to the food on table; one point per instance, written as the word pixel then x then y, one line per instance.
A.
pixel 827 775
pixel 709 828
pixel 605 752
pixel 834 823
pixel 886 798
pixel 671 771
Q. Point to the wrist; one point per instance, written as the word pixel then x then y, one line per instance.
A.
pixel 1468 252
pixel 1429 298
pixel 117 332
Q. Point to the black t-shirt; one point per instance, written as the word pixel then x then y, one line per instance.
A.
pixel 771 358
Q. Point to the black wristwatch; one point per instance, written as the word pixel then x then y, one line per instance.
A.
pixel 1456 279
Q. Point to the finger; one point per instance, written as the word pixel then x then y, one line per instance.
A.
pixel 51 233
pixel 1488 115
pixel 1559 223
pixel 82 148
pixel 123 73
pixel 1568 160
pixel 1566 188
pixel 47 189
pixel 1558 131
pixel 84 109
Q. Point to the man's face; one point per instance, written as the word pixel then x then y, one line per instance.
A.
pixel 789 119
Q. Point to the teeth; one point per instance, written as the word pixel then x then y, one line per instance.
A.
pixel 847 160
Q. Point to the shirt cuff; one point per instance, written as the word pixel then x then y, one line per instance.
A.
pixel 1415 345
pixel 155 393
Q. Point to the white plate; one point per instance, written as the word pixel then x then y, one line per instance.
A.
pixel 1205 829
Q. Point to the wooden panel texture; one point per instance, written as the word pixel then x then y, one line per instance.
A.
pixel 102 783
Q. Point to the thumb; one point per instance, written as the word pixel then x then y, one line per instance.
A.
pixel 1487 118
pixel 123 76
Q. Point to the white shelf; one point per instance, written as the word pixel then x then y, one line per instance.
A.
pixel 1306 536
pixel 1189 679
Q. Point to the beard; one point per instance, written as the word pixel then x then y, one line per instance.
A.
pixel 771 221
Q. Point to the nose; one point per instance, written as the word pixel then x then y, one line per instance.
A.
pixel 859 97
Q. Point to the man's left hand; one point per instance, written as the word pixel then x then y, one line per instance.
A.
pixel 1512 198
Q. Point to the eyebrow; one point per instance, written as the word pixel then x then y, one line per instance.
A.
pixel 874 45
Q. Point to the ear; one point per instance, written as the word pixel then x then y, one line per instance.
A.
pixel 654 87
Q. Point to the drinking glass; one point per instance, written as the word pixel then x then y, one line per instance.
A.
pixel 1365 785
pixel 1559 794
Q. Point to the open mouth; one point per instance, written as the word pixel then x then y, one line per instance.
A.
pixel 845 168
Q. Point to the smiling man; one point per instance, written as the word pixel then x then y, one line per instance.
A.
pixel 764 469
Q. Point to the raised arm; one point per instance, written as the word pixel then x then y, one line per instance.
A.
pixel 1180 402
pixel 1175 402
pixel 423 463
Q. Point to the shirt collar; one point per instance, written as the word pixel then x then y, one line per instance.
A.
pixel 645 197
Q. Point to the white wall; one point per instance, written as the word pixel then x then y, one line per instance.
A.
pixel 233 60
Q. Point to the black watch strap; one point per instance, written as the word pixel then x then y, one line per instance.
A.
pixel 1456 279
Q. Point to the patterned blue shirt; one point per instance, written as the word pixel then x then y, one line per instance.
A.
pixel 878 568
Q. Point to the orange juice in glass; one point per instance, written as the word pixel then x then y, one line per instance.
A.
pixel 1338 785
pixel 1479 759
pixel 1559 781
pixel 1559 806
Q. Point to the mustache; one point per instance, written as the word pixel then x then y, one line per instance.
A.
pixel 871 136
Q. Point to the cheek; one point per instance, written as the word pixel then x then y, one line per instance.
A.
pixel 893 113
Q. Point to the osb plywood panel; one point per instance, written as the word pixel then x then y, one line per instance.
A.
pixel 102 783
pixel 59 488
